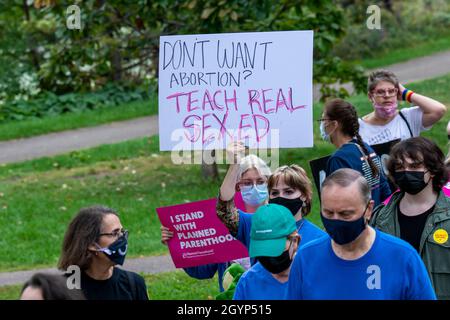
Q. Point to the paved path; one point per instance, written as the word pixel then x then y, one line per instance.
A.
pixel 66 141
pixel 56 143
pixel 149 265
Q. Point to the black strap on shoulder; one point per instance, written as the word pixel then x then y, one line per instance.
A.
pixel 132 282
pixel 406 121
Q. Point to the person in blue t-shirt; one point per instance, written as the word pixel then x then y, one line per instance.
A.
pixel 252 173
pixel 339 125
pixel 355 261
pixel 274 241
pixel 288 186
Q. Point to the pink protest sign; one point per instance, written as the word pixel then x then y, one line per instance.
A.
pixel 238 201
pixel 199 236
pixel 446 189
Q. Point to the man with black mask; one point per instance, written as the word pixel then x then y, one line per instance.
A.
pixel 419 212
pixel 355 261
pixel 273 242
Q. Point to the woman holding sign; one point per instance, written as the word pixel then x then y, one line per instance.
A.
pixel 339 125
pixel 289 186
pixel 253 172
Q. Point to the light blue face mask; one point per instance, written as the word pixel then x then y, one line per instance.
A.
pixel 325 136
pixel 254 195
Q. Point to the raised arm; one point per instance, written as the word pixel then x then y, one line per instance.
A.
pixel 226 210
pixel 432 110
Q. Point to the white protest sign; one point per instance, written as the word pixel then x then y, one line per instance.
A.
pixel 251 87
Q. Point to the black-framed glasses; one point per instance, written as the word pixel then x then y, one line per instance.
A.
pixel 323 119
pixel 116 233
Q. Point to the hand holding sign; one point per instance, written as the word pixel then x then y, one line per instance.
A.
pixel 235 152
pixel 166 235
pixel 198 236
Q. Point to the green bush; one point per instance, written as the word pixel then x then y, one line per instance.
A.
pixel 49 104
pixel 408 24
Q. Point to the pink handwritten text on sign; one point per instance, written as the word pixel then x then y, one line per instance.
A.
pixel 199 236
pixel 253 87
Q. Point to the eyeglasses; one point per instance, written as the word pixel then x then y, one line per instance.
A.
pixel 249 183
pixel 323 119
pixel 388 92
pixel 116 233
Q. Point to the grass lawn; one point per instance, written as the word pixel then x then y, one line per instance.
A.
pixel 38 198
pixel 175 285
pixel 403 54
pixel 33 127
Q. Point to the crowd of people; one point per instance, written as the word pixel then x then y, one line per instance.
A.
pixel 386 224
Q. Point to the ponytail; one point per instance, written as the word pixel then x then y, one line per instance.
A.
pixel 345 113
pixel 373 166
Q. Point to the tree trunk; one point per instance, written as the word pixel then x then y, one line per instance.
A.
pixel 30 42
pixel 116 63
pixel 209 171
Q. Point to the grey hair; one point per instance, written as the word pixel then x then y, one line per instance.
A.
pixel 381 75
pixel 345 177
pixel 253 162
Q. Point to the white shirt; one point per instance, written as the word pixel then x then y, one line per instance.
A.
pixel 395 129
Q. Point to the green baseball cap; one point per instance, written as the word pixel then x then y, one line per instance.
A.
pixel 271 224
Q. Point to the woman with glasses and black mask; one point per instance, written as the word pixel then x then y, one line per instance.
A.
pixel 96 242
pixel 386 123
pixel 419 212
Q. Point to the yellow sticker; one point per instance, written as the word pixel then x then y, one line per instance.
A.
pixel 440 236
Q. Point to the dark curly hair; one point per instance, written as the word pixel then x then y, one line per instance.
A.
pixel 421 151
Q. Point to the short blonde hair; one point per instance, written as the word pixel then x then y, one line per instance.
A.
pixel 253 162
pixel 295 177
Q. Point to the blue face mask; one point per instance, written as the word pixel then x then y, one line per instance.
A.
pixel 343 232
pixel 254 195
pixel 117 251
pixel 325 136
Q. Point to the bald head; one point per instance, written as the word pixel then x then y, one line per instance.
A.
pixel 345 178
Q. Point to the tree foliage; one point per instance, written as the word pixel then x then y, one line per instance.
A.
pixel 119 40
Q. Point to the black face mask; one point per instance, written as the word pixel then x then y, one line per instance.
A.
pixel 117 250
pixel 278 264
pixel 343 232
pixel 292 204
pixel 410 181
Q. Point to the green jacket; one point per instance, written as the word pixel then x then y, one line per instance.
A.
pixel 435 254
